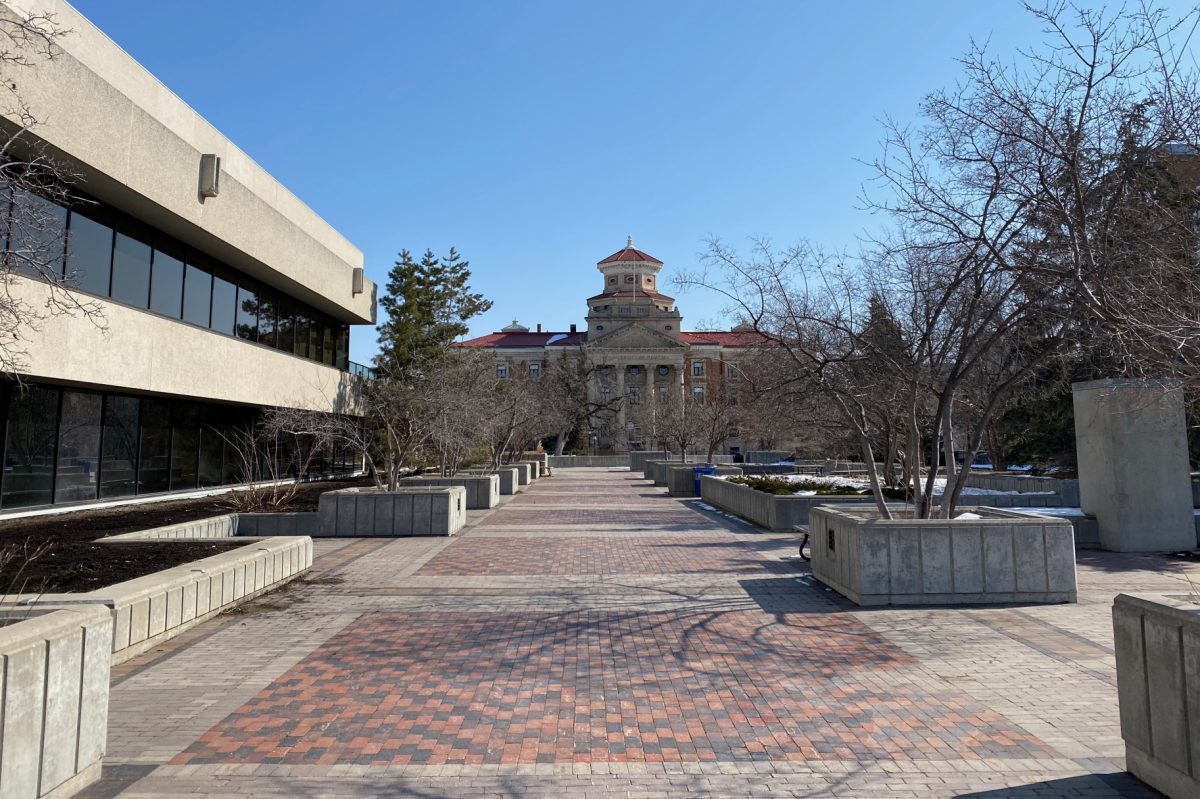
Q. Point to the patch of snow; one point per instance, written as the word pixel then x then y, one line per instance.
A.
pixel 1064 512
pixel 967 516
pixel 556 337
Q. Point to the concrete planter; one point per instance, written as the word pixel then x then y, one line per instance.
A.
pixel 1157 642
pixel 1064 493
pixel 411 510
pixel 509 479
pixel 483 491
pixel 54 702
pixel 524 472
pixel 772 511
pixel 1004 557
pixel 681 480
pixel 637 460
pixel 542 459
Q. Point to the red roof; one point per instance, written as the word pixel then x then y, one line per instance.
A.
pixel 526 340
pixel 723 338
pixel 712 338
pixel 630 254
pixel 634 292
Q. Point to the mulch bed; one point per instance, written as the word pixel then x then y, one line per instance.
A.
pixel 68 559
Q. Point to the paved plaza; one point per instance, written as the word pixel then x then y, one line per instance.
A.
pixel 594 637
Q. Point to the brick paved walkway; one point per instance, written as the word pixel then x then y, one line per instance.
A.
pixel 594 637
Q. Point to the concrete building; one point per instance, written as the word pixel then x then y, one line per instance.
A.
pixel 220 292
pixel 634 337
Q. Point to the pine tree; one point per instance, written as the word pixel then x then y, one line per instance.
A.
pixel 428 303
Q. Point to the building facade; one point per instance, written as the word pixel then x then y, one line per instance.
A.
pixel 218 292
pixel 640 354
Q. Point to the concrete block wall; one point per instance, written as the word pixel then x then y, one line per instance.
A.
pixel 525 474
pixel 223 526
pixel 637 460
pixel 767 456
pixel 1067 490
pixel 588 461
pixel 411 510
pixel 1157 643
pixel 54 705
pixel 1004 557
pixel 483 491
pixel 681 480
pixel 772 511
pixel 509 481
pixel 271 524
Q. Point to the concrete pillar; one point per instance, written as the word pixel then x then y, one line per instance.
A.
pixel 1131 444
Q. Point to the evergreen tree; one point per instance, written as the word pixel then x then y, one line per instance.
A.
pixel 428 303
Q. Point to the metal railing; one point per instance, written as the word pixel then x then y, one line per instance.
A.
pixel 361 370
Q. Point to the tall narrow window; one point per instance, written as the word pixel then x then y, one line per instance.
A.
pixel 285 324
pixel 37 235
pixel 342 348
pixel 247 311
pixel 89 251
pixel 302 325
pixel 185 445
pixel 131 266
pixel 697 368
pixel 197 294
pixel 267 304
pixel 118 457
pixel 29 447
pixel 154 446
pixel 78 446
pixel 224 303
pixel 166 279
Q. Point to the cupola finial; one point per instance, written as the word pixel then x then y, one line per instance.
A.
pixel 628 242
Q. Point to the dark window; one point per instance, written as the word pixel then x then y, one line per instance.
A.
pixel 154 453
pixel 212 442
pixel 315 333
pixel 185 445
pixel 131 266
pixel 166 280
pixel 303 324
pixel 239 423
pixel 342 347
pixel 118 463
pixel 29 447
pixel 285 326
pixel 197 295
pixel 328 353
pixel 37 236
pixel 224 303
pixel 266 317
pixel 78 446
pixel 89 251
pixel 247 312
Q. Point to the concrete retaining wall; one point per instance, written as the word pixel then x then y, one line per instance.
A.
pixel 1158 684
pixel 767 456
pixel 509 480
pixel 1003 557
pixel 223 526
pixel 287 523
pixel 408 511
pixel 681 480
pixel 772 511
pixel 588 461
pixel 149 610
pixel 1067 490
pixel 55 701
pixel 483 491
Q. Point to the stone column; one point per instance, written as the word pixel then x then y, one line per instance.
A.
pixel 621 433
pixel 1131 444
pixel 649 414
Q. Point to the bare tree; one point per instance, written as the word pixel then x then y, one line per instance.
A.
pixel 568 404
pixel 35 188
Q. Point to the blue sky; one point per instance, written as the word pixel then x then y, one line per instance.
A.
pixel 534 136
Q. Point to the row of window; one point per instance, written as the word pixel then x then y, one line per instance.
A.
pixel 634 394
pixel 110 254
pixel 535 370
pixel 63 445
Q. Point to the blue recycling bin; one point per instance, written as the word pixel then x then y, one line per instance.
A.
pixel 700 471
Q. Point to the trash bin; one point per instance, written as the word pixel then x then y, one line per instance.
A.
pixel 700 471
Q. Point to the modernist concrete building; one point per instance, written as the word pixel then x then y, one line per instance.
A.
pixel 634 336
pixel 220 292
